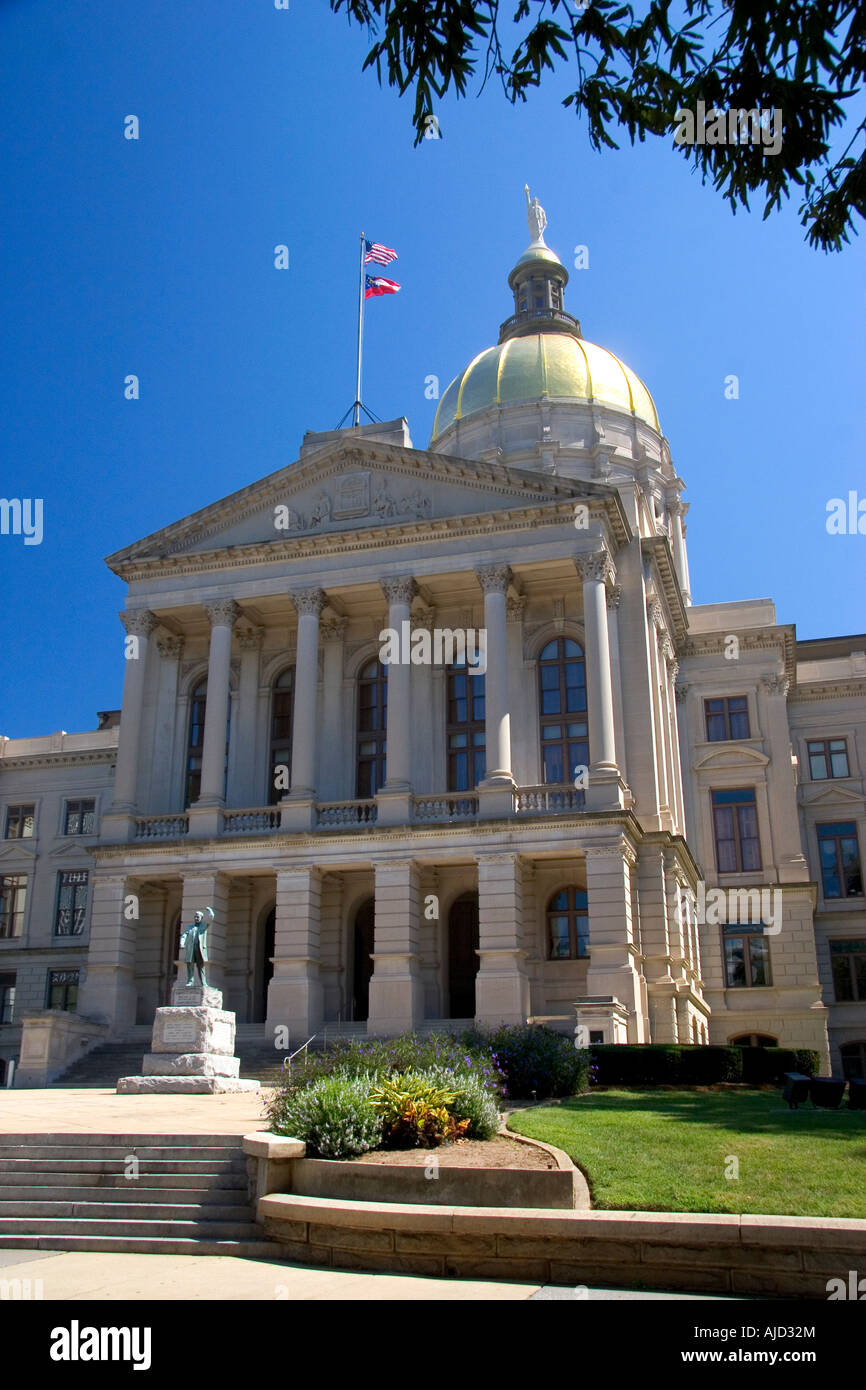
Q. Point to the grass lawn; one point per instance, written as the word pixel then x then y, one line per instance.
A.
pixel 667 1150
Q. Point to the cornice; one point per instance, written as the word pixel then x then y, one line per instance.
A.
pixel 77 759
pixel 769 639
pixel 827 690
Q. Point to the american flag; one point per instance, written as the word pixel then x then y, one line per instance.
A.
pixel 382 255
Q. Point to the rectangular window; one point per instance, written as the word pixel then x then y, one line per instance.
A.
pixel 828 757
pixel 7 998
pixel 727 718
pixel 71 902
pixel 747 956
pixel 20 821
pixel 849 969
pixel 80 818
pixel 63 990
pixel 735 826
pixel 13 899
pixel 839 853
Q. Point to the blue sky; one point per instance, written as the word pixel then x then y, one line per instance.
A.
pixel 155 257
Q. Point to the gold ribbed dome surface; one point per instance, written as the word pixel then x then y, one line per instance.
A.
pixel 542 366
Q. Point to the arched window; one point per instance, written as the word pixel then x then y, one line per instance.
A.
pixel 372 721
pixel 195 744
pixel 568 925
pixel 282 709
pixel 853 1056
pixel 562 707
pixel 754 1040
pixel 465 729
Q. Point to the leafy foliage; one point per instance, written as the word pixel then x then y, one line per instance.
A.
pixel 379 1057
pixel 332 1115
pixel 417 1109
pixel 636 71
pixel 536 1061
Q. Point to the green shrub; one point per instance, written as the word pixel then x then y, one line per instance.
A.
pixel 767 1065
pixel 417 1108
pixel 662 1064
pixel 537 1062
pixel 473 1101
pixel 379 1057
pixel 332 1115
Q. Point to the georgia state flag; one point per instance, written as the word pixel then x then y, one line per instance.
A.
pixel 377 284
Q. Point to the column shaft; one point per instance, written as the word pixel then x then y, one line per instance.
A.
pixel 494 581
pixel 501 985
pixel 396 988
pixel 309 603
pixel 295 991
pixel 139 626
pixel 222 617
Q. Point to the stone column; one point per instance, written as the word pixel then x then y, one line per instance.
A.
pixel 614 598
pixel 139 625
pixel 786 836
pixel 523 744
pixel 295 991
pixel 677 509
pixel 605 791
pixel 424 720
pixel 170 650
pixel 300 805
pixel 222 615
pixel 396 988
pixel 613 952
pixel 496 792
pixel 109 989
pixel 201 891
pixel 335 736
pixel 395 798
pixel 501 985
pixel 243 790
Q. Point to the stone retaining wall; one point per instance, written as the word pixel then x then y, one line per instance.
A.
pixel 769 1256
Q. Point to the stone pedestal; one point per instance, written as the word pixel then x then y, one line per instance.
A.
pixel 192 1048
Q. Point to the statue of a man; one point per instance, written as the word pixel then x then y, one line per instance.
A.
pixel 193 943
pixel 536 217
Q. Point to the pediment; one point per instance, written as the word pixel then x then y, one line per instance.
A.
pixel 812 795
pixel 738 756
pixel 17 849
pixel 72 846
pixel 356 486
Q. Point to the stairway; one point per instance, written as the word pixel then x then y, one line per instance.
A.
pixel 72 1192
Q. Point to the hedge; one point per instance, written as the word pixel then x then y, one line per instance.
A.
pixel 762 1065
pixel 661 1064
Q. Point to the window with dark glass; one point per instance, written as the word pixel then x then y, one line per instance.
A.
pixel 727 718
pixel 828 757
pixel 735 826
pixel 465 729
pixel 7 998
pixel 568 925
pixel 20 822
pixel 282 715
pixel 80 818
pixel 372 723
pixel 839 853
pixel 62 990
pixel 195 745
pixel 754 1040
pixel 747 956
pixel 13 899
pixel 853 1056
pixel 562 706
pixel 71 902
pixel 848 959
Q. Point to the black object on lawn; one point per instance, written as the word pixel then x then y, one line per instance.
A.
pixel 796 1088
pixel 857 1094
pixel 826 1092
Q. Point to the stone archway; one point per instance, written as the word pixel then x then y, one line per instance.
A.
pixel 462 955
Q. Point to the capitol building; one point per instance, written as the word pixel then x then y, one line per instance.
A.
pixel 638 816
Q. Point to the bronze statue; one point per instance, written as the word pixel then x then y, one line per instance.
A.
pixel 193 942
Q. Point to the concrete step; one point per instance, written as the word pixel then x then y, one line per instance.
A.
pixel 260 1249
pixel 161 1152
pixel 210 1166
pixel 191 1230
pixel 87 1140
pixel 133 1211
pixel 23 1177
pixel 117 1196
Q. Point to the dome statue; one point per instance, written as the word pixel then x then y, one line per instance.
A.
pixel 536 217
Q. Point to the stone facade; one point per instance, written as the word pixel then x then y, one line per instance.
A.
pixel 356 879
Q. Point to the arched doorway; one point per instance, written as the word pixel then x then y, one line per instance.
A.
pixel 462 956
pixel 363 959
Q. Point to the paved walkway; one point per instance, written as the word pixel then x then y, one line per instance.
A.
pixel 96 1111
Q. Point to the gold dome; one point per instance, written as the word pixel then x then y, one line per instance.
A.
pixel 543 366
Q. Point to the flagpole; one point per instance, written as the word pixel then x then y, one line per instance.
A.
pixel 357 416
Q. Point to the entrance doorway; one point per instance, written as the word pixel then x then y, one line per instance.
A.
pixel 267 968
pixel 363 960
pixel 462 956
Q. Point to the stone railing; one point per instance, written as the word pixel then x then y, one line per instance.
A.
pixel 346 813
pixel 256 820
pixel 161 827
pixel 552 797
pixel 459 806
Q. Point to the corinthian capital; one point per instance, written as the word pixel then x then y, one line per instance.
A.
pixel 139 622
pixel 494 579
pixel 594 568
pixel 223 612
pixel 308 601
pixel 399 588
pixel 775 685
pixel 170 647
pixel 250 637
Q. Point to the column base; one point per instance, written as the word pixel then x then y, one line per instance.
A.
pixel 501 989
pixel 298 813
pixel 118 826
pixel 606 791
pixel 393 807
pixel 396 995
pixel 205 820
pixel 495 799
pixel 295 1003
